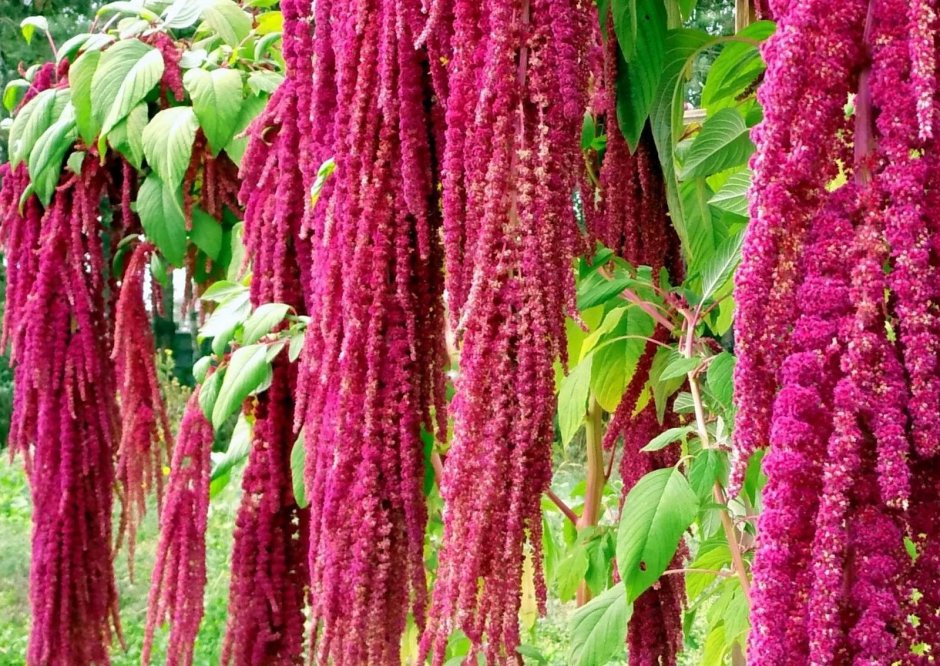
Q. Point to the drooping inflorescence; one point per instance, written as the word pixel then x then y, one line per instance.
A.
pixel 64 418
pixel 515 100
pixel 146 439
pixel 270 579
pixel 836 330
pixel 372 372
pixel 179 574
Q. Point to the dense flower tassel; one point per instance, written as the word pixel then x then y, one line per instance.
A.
pixel 270 579
pixel 179 574
pixel 64 419
pixel 517 94
pixel 146 440
pixel 811 60
pixel 374 353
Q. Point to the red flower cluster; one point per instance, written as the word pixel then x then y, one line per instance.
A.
pixel 837 331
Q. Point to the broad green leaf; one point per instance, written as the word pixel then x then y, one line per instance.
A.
pixel 599 628
pixel 666 114
pixel 75 161
pixel 228 20
pixel 263 320
pixel 45 159
pixel 227 316
pixel 13 92
pixel 168 143
pixel 736 67
pixel 269 22
pixel 704 471
pixel 223 290
pixel 251 107
pixel 721 265
pixel 182 14
pixel 127 137
pixel 614 364
pixel 638 78
pixel 206 233
pixel 33 120
pixel 667 437
pixel 125 75
pixel 625 13
pixel 571 571
pixel 296 346
pixel 656 513
pixel 713 558
pixel 663 389
pixel 160 209
pixel 265 43
pixel 680 366
pixel 713 654
pixel 130 8
pixel 720 379
pixel 217 101
pixel 704 228
pixel 597 289
pixel 264 81
pixel 209 392
pixel 81 73
pixel 572 399
pixel 238 449
pixel 247 369
pixel 201 368
pixel 297 458
pixel 732 197
pixel 723 142
pixel 30 24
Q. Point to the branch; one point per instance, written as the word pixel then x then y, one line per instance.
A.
pixel 565 509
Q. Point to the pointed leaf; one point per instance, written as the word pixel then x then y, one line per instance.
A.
pixel 263 320
pixel 599 628
pixel 45 159
pixel 160 209
pixel 638 79
pixel 667 437
pixel 656 513
pixel 228 20
pixel 168 143
pixel 247 369
pixel 217 100
pixel 721 265
pixel 126 73
pixel 732 197
pixel 723 142
pixel 572 399
pixel 206 233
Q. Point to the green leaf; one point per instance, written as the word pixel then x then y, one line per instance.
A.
pixel 201 368
pixel 81 73
pixel 75 160
pixel 168 143
pixel 229 315
pixel 614 363
pixel 703 472
pixel 663 389
pixel 127 137
pixel 732 197
pixel 666 115
pixel 296 346
pixel 209 392
pixel 263 320
pixel 703 225
pixel 264 81
pixel 597 289
pixel 45 159
pixel 182 14
pixel 125 75
pixel 228 20
pixel 571 571
pixel 238 448
pixel 664 439
pixel 129 8
pixel 638 78
pixel 687 7
pixel 680 366
pixel 572 399
pixel 265 43
pixel 206 233
pixel 297 458
pixel 736 67
pixel 160 209
pixel 30 24
pixel 656 513
pixel 247 369
pixel 217 100
pixel 711 559
pixel 723 142
pixel 625 25
pixel 269 22
pixel 33 120
pixel 721 266
pixel 599 628
pixel 223 290
pixel 13 92
pixel 251 107
pixel 720 379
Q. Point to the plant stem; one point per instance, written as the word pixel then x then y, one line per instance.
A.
pixel 718 492
pixel 594 490
pixel 564 508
